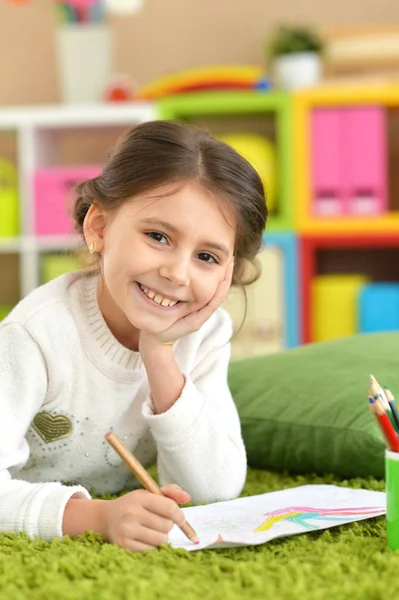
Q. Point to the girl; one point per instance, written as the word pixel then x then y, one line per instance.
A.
pixel 138 346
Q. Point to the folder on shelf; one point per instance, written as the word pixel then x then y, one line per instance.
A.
pixel 364 154
pixel 326 151
pixel 379 307
pixel 262 331
pixel 54 194
pixel 9 200
pixel 335 306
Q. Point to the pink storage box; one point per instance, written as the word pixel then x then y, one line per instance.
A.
pixel 326 131
pixel 53 189
pixel 364 156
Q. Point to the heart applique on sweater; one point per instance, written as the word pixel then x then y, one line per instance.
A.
pixel 52 428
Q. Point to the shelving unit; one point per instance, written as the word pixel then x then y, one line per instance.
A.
pixel 346 244
pixel 39 134
pixel 305 244
pixel 375 256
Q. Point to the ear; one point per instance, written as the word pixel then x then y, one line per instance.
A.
pixel 94 225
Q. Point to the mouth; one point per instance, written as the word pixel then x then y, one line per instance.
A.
pixel 157 299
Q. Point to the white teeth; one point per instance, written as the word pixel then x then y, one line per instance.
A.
pixel 158 298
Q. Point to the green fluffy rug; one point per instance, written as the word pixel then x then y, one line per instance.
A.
pixel 345 562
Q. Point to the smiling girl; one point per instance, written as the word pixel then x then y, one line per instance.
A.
pixel 138 345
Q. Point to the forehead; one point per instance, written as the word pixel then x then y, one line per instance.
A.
pixel 185 206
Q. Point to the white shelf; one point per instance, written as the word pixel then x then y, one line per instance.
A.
pixel 37 129
pixel 56 243
pixel 10 245
pixel 79 115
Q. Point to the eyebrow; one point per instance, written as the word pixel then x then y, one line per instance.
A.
pixel 173 229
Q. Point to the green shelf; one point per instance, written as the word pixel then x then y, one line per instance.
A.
pixel 184 107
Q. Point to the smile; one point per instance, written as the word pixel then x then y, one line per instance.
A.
pixel 157 298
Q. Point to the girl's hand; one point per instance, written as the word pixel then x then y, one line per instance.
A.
pixel 141 521
pixel 192 322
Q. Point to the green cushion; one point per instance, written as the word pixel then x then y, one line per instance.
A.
pixel 306 410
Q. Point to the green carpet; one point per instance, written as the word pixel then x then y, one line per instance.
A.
pixel 346 562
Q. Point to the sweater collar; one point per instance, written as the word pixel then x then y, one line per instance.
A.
pixel 101 346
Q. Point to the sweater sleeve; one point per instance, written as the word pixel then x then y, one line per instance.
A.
pixel 199 441
pixel 34 508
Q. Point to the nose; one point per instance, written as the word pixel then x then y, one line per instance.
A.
pixel 176 271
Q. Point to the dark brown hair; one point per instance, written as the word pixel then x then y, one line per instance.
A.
pixel 160 152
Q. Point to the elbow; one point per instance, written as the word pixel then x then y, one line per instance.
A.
pixel 224 486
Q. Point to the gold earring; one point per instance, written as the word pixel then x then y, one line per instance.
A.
pixel 92 247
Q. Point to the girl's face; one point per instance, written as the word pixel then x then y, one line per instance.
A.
pixel 162 257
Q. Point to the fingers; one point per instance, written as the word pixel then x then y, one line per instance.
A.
pixel 153 521
pixel 164 507
pixel 150 537
pixel 138 547
pixel 221 291
pixel 175 492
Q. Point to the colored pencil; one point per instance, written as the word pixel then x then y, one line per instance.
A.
pixel 392 404
pixel 145 478
pixel 377 389
pixel 387 430
pixel 372 410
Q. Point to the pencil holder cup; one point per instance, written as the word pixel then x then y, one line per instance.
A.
pixel 392 498
pixel 84 61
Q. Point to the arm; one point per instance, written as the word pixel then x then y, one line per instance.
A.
pixel 165 379
pixel 198 434
pixel 35 508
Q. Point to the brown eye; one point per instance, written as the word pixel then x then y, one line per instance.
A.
pixel 157 236
pixel 206 257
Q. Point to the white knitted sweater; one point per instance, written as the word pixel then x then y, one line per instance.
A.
pixel 65 381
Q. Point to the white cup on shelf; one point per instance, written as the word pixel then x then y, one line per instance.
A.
pixel 84 61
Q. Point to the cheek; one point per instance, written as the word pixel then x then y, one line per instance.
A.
pixel 206 287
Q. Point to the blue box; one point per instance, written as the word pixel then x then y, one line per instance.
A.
pixel 288 244
pixel 379 307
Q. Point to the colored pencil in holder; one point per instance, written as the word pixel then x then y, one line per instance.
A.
pixel 377 389
pixel 388 432
pixel 392 404
pixel 389 412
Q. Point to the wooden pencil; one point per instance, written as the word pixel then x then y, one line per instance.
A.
pixel 387 430
pixel 145 478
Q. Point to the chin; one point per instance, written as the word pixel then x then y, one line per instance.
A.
pixel 150 325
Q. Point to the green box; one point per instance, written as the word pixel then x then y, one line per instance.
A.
pixel 184 107
pixel 54 265
pixel 4 310
pixel 392 496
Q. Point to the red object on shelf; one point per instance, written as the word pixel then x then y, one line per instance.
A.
pixel 309 245
pixel 120 88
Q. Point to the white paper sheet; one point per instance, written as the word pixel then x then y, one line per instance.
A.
pixel 258 519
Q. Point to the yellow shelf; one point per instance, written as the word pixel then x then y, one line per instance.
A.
pixel 388 223
pixel 372 93
pixel 302 103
